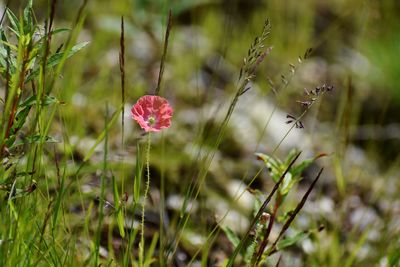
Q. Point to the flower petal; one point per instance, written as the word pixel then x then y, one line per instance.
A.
pixel 152 106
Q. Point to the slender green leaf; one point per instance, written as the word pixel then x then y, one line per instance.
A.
pixel 13 47
pixel 55 59
pixel 292 154
pixel 13 210
pixel 20 119
pixel 13 21
pixel 233 238
pixel 35 139
pixel 53 32
pixel 119 212
pixel 28 23
pixel 287 184
pixel 46 101
pixel 354 252
pixel 269 161
pixel 59 30
pixel 272 164
pixel 289 241
pixel 150 251
pixel 298 169
pixel 10 140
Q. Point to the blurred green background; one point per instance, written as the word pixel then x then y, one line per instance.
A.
pixel 356 48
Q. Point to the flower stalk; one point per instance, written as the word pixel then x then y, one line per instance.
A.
pixel 146 191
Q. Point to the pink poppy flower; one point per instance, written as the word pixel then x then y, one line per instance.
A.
pixel 153 113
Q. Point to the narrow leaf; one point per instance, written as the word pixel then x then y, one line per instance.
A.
pixel 138 176
pixel 46 101
pixel 13 21
pixel 55 59
pixel 35 139
pixel 289 241
pixel 233 238
pixel 150 251
pixel 119 211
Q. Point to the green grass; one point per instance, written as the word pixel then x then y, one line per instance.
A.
pixel 75 166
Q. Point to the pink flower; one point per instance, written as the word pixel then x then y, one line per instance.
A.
pixel 153 113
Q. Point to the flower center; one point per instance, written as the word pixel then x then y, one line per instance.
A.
pixel 151 120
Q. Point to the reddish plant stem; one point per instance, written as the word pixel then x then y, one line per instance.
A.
pixel 16 100
pixel 295 212
pixel 259 213
pixel 264 243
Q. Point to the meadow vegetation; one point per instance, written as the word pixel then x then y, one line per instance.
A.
pixel 199 133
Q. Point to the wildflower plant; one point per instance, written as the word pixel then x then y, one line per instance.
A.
pixel 276 168
pixel 153 113
pixel 28 68
pixel 254 245
pixel 25 63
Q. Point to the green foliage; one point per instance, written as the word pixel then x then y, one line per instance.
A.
pixel 119 205
pixel 21 63
pixel 26 62
pixel 233 238
pixel 256 252
pixel 276 167
pixel 394 257
pixel 70 189
pixel 290 241
pixel 138 175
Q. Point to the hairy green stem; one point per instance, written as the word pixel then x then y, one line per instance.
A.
pixel 146 191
